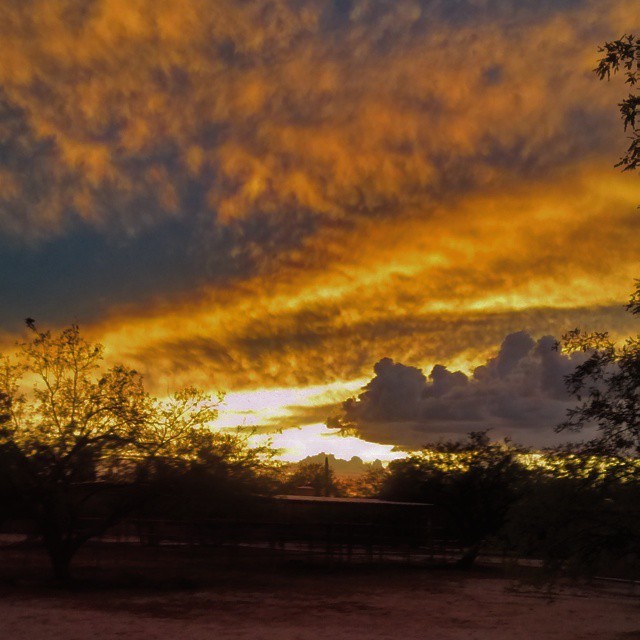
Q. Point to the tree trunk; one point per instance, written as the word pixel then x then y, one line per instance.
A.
pixel 469 556
pixel 60 556
pixel 61 568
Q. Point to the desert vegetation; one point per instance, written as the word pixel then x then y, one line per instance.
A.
pixel 84 449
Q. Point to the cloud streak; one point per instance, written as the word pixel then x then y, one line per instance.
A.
pixel 443 289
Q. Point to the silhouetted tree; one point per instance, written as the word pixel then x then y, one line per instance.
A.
pixel 580 513
pixel 84 442
pixel 9 502
pixel 4 484
pixel 596 503
pixel 5 409
pixel 474 483
pixel 584 512
pixel 624 55
pixel 366 485
pixel 223 479
pixel 607 387
pixel 312 474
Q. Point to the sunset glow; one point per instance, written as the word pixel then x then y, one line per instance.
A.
pixel 268 198
pixel 312 439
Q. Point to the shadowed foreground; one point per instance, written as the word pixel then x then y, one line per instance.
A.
pixel 391 604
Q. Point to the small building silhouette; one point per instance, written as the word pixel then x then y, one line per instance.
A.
pixel 351 528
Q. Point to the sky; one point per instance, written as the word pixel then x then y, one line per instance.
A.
pixel 380 212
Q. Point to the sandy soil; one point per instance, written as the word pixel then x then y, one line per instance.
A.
pixel 412 606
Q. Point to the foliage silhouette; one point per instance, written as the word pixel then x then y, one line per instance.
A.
pixel 588 515
pixel 580 514
pixel 314 475
pixel 624 55
pixel 88 446
pixel 607 387
pixel 581 511
pixel 474 483
pixel 222 480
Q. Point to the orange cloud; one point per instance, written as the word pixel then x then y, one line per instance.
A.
pixel 271 108
pixel 447 287
pixel 402 179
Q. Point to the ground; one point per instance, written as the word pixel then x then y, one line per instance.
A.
pixel 338 605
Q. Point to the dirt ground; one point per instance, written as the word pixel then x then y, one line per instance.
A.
pixel 405 605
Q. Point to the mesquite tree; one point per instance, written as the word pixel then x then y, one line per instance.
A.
pixel 81 442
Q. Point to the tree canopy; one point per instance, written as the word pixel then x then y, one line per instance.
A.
pixel 83 446
pixel 623 55
pixel 474 482
pixel 607 384
pixel 607 388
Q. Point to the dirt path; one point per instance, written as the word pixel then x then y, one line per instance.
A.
pixel 345 607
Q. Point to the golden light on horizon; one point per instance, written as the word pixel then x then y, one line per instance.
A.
pixel 312 439
pixel 264 407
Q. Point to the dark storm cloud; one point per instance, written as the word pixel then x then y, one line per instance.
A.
pixel 83 276
pixel 518 393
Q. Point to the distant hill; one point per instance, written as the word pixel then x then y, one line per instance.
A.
pixel 353 467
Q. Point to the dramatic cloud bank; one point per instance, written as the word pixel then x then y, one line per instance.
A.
pixel 128 113
pixel 252 195
pixel 519 393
